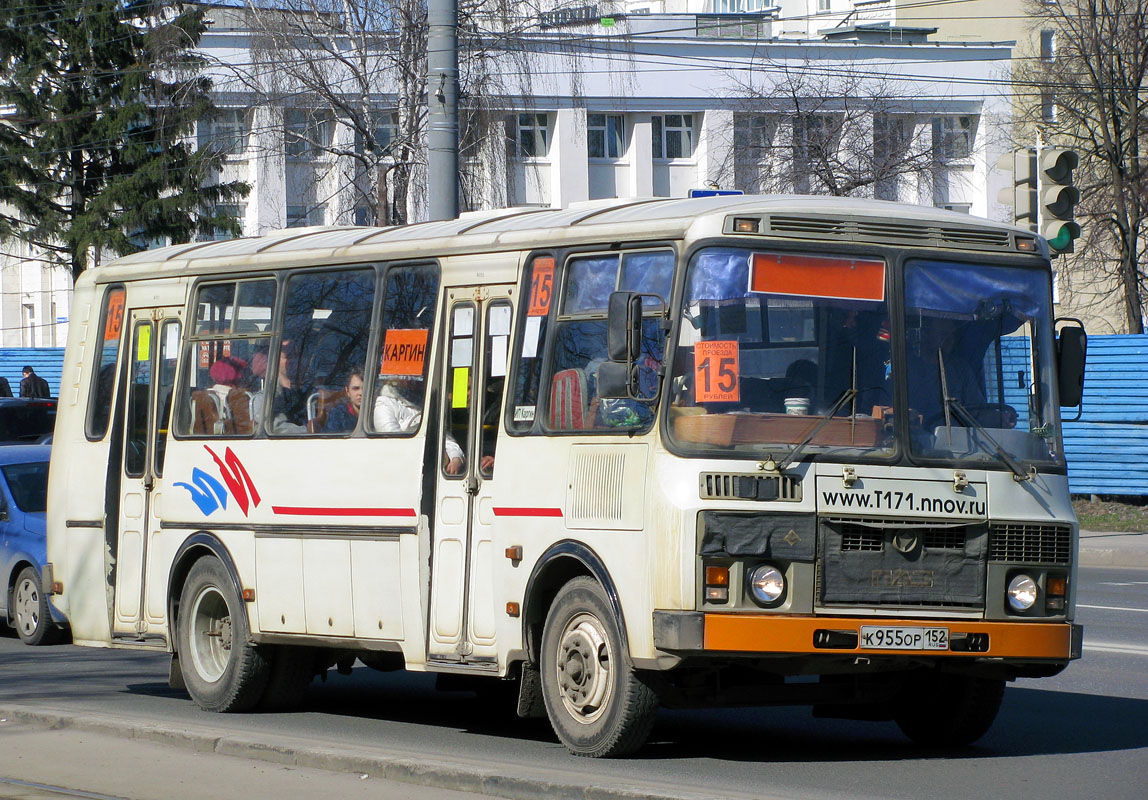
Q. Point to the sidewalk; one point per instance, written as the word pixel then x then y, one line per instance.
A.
pixel 1113 549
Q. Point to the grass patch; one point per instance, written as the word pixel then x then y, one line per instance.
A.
pixel 1111 515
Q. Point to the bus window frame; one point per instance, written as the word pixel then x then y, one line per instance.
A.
pixel 375 354
pixel 562 260
pixel 189 340
pixel 97 363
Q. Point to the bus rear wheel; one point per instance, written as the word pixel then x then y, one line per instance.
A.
pixel 942 710
pixel 222 669
pixel 597 703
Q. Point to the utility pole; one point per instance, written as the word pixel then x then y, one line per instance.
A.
pixel 442 113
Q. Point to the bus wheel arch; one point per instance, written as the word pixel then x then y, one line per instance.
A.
pixel 556 567
pixel 220 666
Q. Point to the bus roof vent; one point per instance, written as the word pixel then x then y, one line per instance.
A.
pixel 878 231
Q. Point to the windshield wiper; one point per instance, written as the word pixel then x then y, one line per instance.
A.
pixel 1019 471
pixel 795 451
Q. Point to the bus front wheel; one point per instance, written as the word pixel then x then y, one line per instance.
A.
pixel 597 703
pixel 222 669
pixel 943 710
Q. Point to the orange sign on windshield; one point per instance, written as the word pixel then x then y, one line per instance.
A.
pixel 716 372
pixel 114 321
pixel 404 351
pixel 817 276
pixel 541 287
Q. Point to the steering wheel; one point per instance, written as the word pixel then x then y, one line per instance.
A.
pixel 992 415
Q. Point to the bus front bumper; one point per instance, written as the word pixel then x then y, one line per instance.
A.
pixel 684 632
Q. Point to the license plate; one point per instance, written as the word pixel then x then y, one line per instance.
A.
pixel 883 637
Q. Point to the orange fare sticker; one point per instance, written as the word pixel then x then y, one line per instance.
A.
pixel 716 372
pixel 404 352
pixel 114 321
pixel 818 276
pixel 541 287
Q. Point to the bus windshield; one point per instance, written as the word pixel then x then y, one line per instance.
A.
pixel 980 363
pixel 778 351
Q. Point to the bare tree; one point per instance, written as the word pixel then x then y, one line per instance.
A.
pixel 813 130
pixel 351 76
pixel 1087 91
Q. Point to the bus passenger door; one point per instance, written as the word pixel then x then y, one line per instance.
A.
pixel 462 608
pixel 143 418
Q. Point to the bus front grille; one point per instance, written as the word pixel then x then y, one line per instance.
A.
pixel 1024 542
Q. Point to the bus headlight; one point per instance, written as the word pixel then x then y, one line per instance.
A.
pixel 766 584
pixel 1021 592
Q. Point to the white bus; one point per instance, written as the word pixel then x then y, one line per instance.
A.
pixel 737 450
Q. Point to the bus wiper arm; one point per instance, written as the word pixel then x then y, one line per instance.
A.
pixel 1022 472
pixel 795 451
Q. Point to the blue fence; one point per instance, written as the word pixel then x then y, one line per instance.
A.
pixel 1107 448
pixel 48 362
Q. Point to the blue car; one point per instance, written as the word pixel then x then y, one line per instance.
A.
pixel 24 542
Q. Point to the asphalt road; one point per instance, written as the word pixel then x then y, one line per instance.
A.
pixel 1080 734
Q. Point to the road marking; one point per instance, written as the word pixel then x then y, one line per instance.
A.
pixel 1124 583
pixel 1113 608
pixel 1112 647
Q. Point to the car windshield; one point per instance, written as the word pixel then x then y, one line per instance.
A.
pixel 28 484
pixel 979 363
pixel 783 351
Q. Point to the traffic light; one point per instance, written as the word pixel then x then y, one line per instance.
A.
pixel 1022 194
pixel 1058 198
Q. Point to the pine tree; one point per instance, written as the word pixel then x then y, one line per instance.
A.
pixel 97 106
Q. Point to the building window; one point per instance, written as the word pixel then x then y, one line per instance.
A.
pixel 892 136
pixel 385 132
pixel 815 142
pixel 307 134
pixel 953 138
pixel 823 6
pixel 1047 45
pixel 605 135
pixel 28 323
pixel 236 211
pixel 301 216
pixel 225 132
pixel 673 135
pixel 533 136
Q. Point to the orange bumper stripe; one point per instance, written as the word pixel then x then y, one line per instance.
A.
pixel 761 634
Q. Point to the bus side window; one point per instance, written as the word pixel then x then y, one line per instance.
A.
pixel 538 290
pixel 326 331
pixel 398 390
pixel 104 371
pixel 220 390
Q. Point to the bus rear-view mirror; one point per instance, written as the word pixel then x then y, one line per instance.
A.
pixel 1071 347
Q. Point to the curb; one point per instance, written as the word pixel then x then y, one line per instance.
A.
pixel 1115 549
pixel 438 774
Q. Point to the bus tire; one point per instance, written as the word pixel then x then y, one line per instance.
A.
pixel 597 703
pixel 222 669
pixel 30 612
pixel 943 710
pixel 292 669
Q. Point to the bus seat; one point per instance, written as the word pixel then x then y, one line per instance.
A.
pixel 240 412
pixel 207 413
pixel 319 405
pixel 568 400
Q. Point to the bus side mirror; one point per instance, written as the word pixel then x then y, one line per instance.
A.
pixel 624 327
pixel 614 380
pixel 1071 346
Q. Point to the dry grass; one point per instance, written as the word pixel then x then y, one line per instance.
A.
pixel 1111 515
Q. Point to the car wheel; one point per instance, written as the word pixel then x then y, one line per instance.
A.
pixel 32 617
pixel 597 703
pixel 222 669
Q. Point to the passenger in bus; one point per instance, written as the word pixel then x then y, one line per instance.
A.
pixel 940 342
pixel 345 415
pixel 225 407
pixel 396 411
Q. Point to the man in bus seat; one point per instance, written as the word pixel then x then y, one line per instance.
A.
pixel 395 411
pixel 289 404
pixel 345 415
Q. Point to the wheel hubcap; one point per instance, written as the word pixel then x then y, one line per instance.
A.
pixel 27 607
pixel 211 632
pixel 585 673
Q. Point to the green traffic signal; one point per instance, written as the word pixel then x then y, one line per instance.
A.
pixel 1058 198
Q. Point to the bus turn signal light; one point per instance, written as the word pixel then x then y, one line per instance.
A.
pixel 717 584
pixel 1055 587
